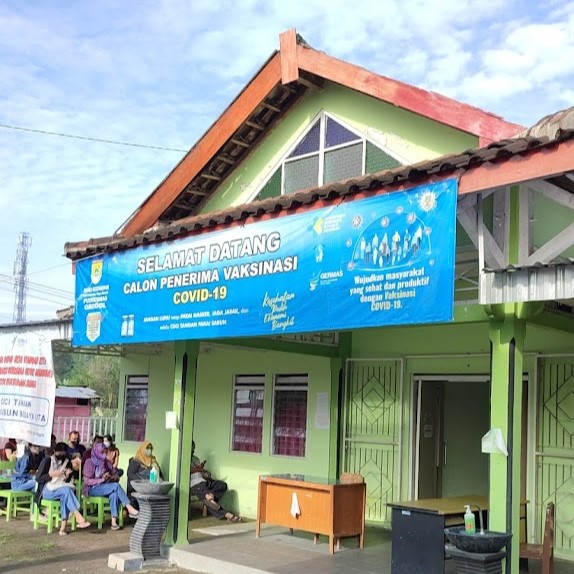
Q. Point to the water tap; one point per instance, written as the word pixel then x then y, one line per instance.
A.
pixel 480 519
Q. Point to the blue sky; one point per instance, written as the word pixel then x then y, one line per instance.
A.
pixel 159 72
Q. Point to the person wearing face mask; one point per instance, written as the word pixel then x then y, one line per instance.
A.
pixel 88 453
pixel 55 482
pixel 113 452
pixel 74 448
pixel 140 466
pixel 24 475
pixel 100 479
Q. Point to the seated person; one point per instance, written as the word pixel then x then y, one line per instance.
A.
pixel 24 475
pixel 100 479
pixel 55 482
pixel 88 453
pixel 140 466
pixel 208 490
pixel 50 449
pixel 10 452
pixel 113 452
pixel 74 447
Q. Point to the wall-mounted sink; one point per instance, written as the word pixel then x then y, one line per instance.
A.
pixel 484 543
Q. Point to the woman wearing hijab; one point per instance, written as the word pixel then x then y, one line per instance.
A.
pixel 24 475
pixel 101 479
pixel 140 467
pixel 55 482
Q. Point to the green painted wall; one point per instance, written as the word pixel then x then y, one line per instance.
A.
pixel 412 137
pixel 217 366
pixel 160 369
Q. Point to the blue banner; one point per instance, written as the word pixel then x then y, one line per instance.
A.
pixel 385 260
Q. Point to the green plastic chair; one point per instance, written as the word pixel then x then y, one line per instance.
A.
pixel 98 506
pixel 16 500
pixel 53 515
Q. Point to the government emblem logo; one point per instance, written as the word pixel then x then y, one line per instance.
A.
pixel 96 271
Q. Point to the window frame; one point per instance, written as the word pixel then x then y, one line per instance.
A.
pixel 258 385
pixel 289 386
pixel 322 117
pixel 135 382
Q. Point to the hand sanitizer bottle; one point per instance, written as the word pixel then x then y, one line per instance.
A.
pixel 153 475
pixel 469 521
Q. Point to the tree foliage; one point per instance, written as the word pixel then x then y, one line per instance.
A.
pixel 99 373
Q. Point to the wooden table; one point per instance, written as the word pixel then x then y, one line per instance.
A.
pixel 332 508
pixel 418 530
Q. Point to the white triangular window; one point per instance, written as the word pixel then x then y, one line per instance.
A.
pixel 328 151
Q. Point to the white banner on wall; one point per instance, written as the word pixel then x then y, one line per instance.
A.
pixel 27 387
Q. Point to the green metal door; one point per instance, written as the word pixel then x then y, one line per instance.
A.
pixel 372 425
pixel 555 450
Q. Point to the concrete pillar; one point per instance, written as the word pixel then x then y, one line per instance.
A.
pixel 186 355
pixel 507 334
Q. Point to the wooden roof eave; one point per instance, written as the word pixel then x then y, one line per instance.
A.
pixel 549 161
pixel 486 126
pixel 195 160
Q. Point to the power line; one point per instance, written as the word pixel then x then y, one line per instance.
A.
pixel 32 296
pixel 49 268
pixel 31 285
pixel 90 139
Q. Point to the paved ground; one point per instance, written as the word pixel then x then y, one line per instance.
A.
pixel 24 550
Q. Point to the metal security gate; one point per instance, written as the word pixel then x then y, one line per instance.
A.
pixel 372 424
pixel 555 449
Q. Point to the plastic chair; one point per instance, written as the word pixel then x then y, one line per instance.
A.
pixel 16 500
pixel 52 518
pixel 53 514
pixel 101 505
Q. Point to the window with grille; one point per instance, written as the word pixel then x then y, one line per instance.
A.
pixel 290 415
pixel 248 397
pixel 135 407
pixel 329 151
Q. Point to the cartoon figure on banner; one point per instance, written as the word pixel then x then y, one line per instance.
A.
pixel 406 244
pixel 410 238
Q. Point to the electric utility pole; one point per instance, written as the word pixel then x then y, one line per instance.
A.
pixel 21 277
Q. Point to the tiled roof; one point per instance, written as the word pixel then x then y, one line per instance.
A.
pixel 274 90
pixel 559 126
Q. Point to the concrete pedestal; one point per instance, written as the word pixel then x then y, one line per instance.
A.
pixel 152 521
pixel 475 563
